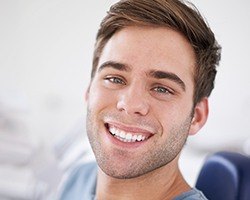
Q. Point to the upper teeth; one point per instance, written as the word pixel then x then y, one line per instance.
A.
pixel 126 137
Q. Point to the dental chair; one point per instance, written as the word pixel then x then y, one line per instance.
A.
pixel 225 176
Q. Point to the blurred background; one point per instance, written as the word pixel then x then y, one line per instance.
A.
pixel 45 60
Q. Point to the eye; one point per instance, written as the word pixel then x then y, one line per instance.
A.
pixel 162 90
pixel 115 80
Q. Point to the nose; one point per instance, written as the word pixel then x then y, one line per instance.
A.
pixel 133 101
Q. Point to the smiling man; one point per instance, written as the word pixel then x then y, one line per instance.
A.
pixel 153 70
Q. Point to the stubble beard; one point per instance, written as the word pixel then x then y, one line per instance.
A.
pixel 160 155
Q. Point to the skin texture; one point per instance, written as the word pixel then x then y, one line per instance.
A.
pixel 143 85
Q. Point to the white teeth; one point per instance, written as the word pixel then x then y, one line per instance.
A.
pixel 134 138
pixel 122 135
pixel 139 137
pixel 112 130
pixel 126 137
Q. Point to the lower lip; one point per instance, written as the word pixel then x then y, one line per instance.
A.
pixel 122 144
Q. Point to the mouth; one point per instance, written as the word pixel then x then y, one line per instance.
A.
pixel 128 135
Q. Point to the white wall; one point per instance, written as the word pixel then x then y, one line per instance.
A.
pixel 45 58
pixel 46 49
pixel 228 125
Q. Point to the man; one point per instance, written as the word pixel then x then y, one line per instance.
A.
pixel 153 70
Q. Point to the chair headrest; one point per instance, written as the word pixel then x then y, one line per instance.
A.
pixel 225 175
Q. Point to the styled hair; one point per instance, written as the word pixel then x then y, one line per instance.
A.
pixel 174 14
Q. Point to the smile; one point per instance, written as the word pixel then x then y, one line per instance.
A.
pixel 126 136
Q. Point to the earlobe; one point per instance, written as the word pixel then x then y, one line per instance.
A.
pixel 200 116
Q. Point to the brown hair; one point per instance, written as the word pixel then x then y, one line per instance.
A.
pixel 174 14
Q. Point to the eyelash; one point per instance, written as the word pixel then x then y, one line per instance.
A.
pixel 158 89
pixel 162 90
pixel 115 80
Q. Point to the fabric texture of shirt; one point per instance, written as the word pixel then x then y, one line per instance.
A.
pixel 81 185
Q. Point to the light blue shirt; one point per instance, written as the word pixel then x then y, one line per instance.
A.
pixel 81 185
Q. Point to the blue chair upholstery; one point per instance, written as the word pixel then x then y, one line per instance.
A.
pixel 225 176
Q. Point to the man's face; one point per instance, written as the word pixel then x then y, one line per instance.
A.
pixel 140 101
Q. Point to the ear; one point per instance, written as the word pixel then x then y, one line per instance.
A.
pixel 87 94
pixel 200 115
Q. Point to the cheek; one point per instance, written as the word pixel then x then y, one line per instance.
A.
pixel 99 98
pixel 172 114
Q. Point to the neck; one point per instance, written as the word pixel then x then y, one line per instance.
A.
pixel 163 183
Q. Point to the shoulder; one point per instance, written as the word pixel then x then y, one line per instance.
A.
pixel 80 182
pixel 83 173
pixel 193 194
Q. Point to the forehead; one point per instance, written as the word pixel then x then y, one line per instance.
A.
pixel 147 48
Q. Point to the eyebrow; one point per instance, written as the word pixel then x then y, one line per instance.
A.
pixel 115 65
pixel 157 74
pixel 167 75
